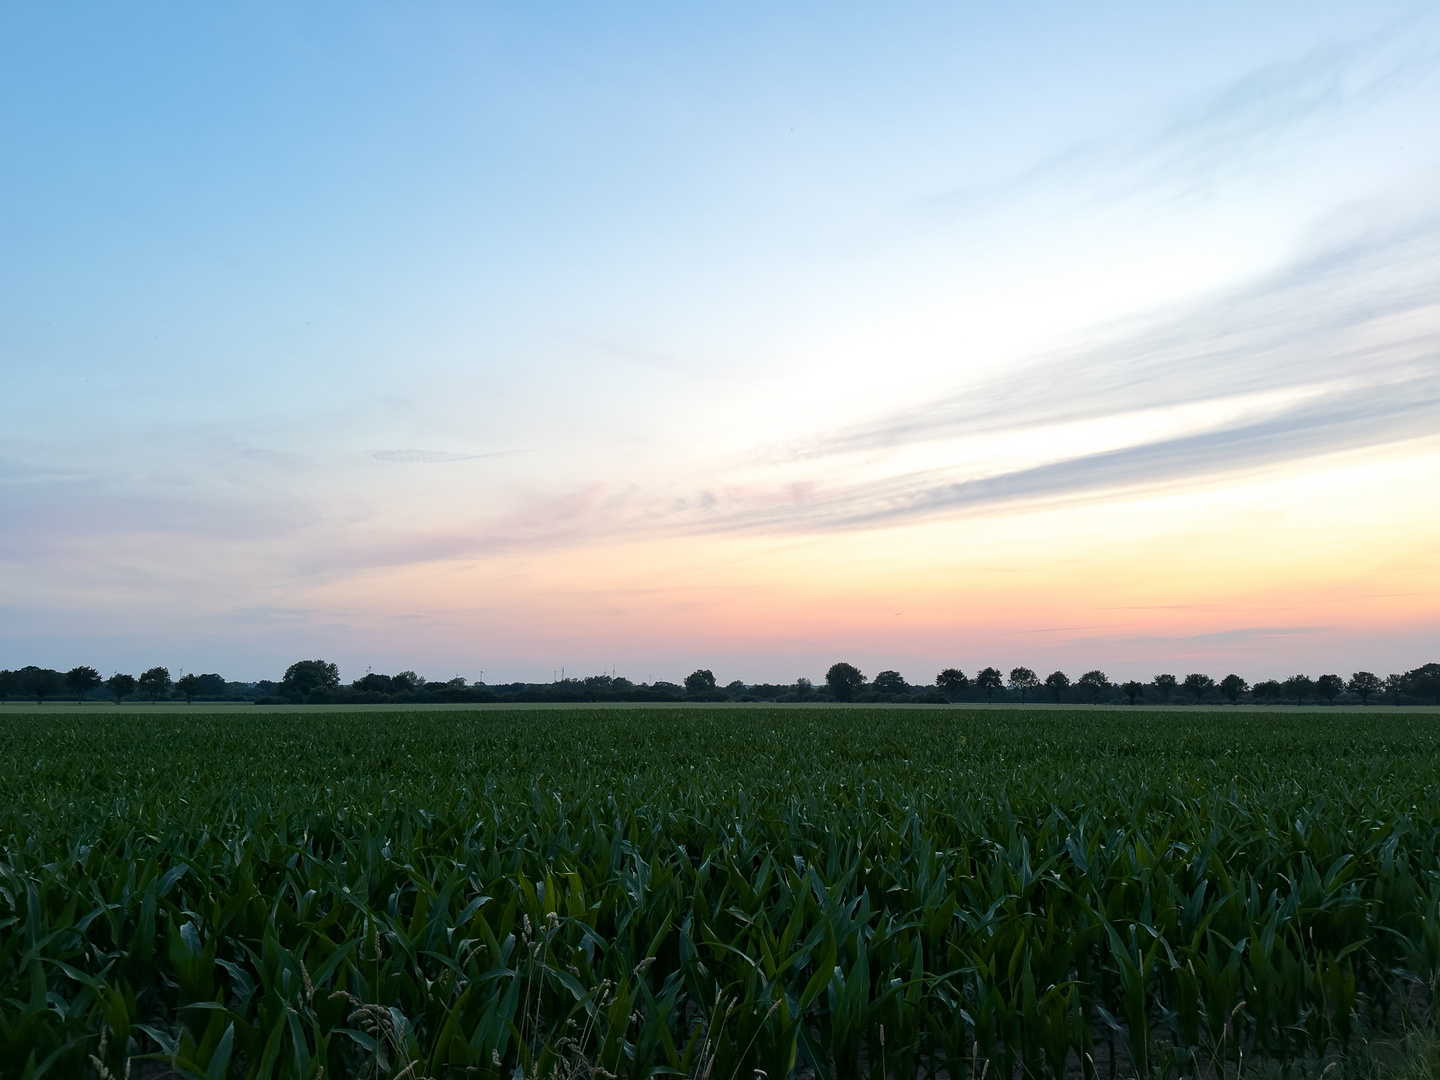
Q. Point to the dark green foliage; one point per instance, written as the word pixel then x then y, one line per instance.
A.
pixel 1298 687
pixel 38 682
pixel 1057 682
pixel 304 677
pixel 952 681
pixel 1166 685
pixel 1094 683
pixel 1329 687
pixel 1000 893
pixel 1365 684
pixel 81 680
pixel 1268 691
pixel 120 686
pixel 1133 689
pixel 1233 687
pixel 155 683
pixel 1023 681
pixel 844 681
pixel 699 682
pixel 890 682
pixel 1424 683
pixel 989 679
pixel 190 686
pixel 1197 685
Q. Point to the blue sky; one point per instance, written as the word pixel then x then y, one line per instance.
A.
pixel 471 335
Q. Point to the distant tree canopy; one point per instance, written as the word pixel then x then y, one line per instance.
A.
pixel 304 677
pixel 701 681
pixel 155 683
pixel 989 679
pixel 318 682
pixel 1330 687
pixel 1267 691
pixel 844 681
pixel 1299 687
pixel 890 682
pixel 1166 685
pixel 1198 685
pixel 952 682
pixel 1023 681
pixel 189 685
pixel 1423 682
pixel 37 682
pixel 1365 684
pixel 120 686
pixel 1096 682
pixel 81 680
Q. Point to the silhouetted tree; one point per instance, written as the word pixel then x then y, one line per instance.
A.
pixel 1299 687
pixel 7 684
pixel 81 680
pixel 1197 685
pixel 1392 684
pixel 990 680
pixel 701 681
pixel 890 682
pixel 155 683
pixel 1329 687
pixel 189 685
pixel 952 682
pixel 372 682
pixel 1424 682
pixel 122 686
pixel 1096 682
pixel 1166 685
pixel 1057 682
pixel 844 680
pixel 38 682
pixel 211 685
pixel 1232 686
pixel 1133 689
pixel 401 683
pixel 1022 679
pixel 1267 691
pixel 304 677
pixel 1365 683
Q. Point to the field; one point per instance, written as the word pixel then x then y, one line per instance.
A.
pixel 712 893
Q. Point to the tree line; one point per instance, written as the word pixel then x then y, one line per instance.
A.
pixel 318 682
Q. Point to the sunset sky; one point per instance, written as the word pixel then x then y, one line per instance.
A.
pixel 497 339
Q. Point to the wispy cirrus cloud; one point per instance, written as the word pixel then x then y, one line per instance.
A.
pixel 1186 150
pixel 1341 350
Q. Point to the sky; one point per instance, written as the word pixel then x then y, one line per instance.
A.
pixel 495 340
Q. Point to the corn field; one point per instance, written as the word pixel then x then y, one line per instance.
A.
pixel 717 894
